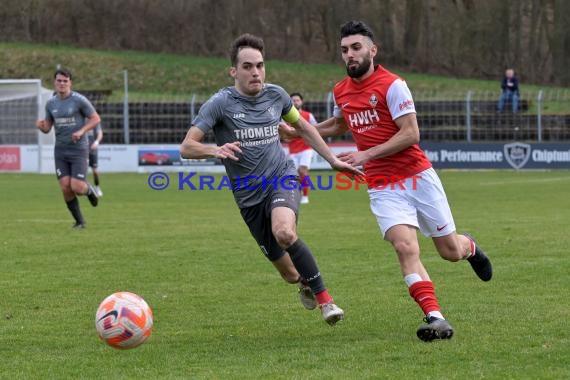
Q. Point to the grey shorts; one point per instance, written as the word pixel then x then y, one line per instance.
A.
pixel 93 158
pixel 258 219
pixel 71 164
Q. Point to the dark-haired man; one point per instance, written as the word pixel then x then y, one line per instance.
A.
pixel 377 107
pixel 245 120
pixel 71 115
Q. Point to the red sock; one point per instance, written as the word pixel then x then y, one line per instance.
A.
pixel 304 185
pixel 424 294
pixel 323 297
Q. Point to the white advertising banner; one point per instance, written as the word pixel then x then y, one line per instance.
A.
pixel 111 159
pixel 130 158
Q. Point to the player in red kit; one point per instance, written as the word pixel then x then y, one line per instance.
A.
pixel 299 151
pixel 377 107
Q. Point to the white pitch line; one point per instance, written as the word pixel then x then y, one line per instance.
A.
pixel 47 221
pixel 524 181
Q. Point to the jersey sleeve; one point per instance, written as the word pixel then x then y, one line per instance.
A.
pixel 85 106
pixel 399 99
pixel 337 112
pixel 210 113
pixel 312 119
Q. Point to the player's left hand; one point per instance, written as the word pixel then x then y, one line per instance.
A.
pixel 346 167
pixel 357 158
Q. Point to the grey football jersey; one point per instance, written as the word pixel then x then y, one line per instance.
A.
pixel 254 122
pixel 68 115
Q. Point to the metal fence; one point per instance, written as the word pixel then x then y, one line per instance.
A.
pixel 543 116
pixel 472 116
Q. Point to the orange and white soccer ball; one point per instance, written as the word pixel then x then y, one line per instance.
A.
pixel 124 320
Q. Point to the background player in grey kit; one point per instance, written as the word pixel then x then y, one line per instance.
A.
pixel 245 120
pixel 72 116
pixel 94 137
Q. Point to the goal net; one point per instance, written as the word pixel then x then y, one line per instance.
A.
pixel 22 102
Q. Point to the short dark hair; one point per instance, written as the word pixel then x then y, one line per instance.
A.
pixel 296 94
pixel 245 41
pixel 353 27
pixel 62 71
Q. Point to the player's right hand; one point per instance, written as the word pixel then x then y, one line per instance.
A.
pixel 286 131
pixel 228 150
pixel 41 124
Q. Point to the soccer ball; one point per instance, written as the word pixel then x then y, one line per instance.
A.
pixel 124 320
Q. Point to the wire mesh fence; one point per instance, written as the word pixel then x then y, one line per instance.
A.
pixel 541 116
pixel 471 116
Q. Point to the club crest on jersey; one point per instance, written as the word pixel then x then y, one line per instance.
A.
pixel 271 111
pixel 373 100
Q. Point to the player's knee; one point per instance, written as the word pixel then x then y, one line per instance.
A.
pixel 77 188
pixel 65 187
pixel 285 236
pixel 403 247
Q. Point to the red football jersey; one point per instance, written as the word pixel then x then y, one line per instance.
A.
pixel 297 145
pixel 369 109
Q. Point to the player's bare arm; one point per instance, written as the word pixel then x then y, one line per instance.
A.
pixel 408 135
pixel 287 132
pixel 328 128
pixel 98 139
pixel 332 127
pixel 192 147
pixel 310 134
pixel 92 122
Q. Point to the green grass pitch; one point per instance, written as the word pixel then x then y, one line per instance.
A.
pixel 222 311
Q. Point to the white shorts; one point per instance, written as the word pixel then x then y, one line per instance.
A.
pixel 418 202
pixel 303 158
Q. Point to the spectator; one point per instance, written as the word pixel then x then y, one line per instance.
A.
pixel 510 91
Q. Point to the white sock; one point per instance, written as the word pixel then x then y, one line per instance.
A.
pixel 436 314
pixel 412 278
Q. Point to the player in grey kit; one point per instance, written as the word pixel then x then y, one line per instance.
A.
pixel 72 116
pixel 245 120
